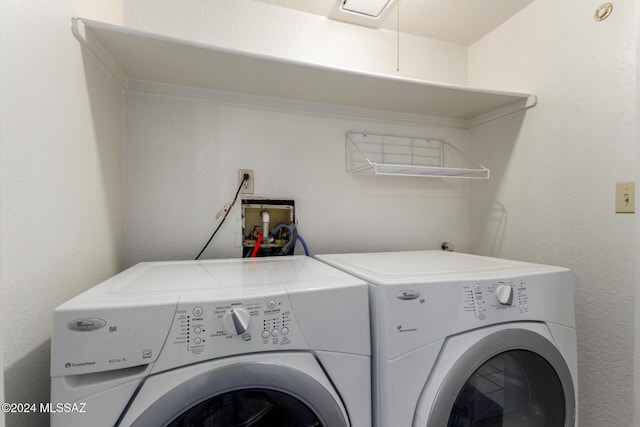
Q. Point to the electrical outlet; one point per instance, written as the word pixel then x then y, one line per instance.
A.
pixel 625 197
pixel 247 186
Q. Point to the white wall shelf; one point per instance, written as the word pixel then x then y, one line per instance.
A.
pixel 372 154
pixel 129 54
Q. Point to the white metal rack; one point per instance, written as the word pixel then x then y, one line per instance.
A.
pixel 132 55
pixel 374 154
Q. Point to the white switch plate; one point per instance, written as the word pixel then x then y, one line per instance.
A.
pixel 625 197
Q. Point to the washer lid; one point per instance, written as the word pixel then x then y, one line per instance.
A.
pixel 227 277
pixel 386 268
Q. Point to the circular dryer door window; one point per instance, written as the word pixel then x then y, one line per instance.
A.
pixel 246 395
pixel 514 388
pixel 510 378
pixel 251 407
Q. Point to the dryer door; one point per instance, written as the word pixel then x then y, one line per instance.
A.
pixel 510 378
pixel 246 394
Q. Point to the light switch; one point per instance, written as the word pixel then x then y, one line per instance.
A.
pixel 625 197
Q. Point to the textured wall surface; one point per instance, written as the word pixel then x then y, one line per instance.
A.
pixel 554 169
pixel 61 182
pixel 182 161
pixel 636 376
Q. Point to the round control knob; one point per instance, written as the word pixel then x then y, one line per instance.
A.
pixel 504 294
pixel 236 321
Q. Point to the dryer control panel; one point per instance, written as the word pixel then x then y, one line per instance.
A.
pixel 483 298
pixel 204 330
pixel 412 316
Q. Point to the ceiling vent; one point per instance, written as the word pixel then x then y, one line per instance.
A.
pixel 368 8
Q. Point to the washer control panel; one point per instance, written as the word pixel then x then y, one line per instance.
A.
pixel 203 330
pixel 501 297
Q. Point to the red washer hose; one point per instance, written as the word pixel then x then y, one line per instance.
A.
pixel 257 246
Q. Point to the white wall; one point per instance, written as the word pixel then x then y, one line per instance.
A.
pixel 551 195
pixel 182 160
pixel 61 181
pixel 636 376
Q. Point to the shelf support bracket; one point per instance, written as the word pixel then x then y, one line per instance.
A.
pixel 95 49
pixel 523 104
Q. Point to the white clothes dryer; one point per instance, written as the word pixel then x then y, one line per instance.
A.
pixel 263 342
pixel 463 340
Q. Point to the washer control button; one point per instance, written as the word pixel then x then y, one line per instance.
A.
pixel 236 321
pixel 271 304
pixel 275 332
pixel 284 331
pixel 265 334
pixel 197 311
pixel 197 340
pixel 197 330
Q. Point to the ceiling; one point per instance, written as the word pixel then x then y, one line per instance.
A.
pixel 461 22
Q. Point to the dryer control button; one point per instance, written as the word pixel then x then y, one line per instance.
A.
pixel 504 294
pixel 197 311
pixel 265 334
pixel 275 333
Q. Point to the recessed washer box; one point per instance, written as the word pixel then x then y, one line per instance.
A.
pixel 278 210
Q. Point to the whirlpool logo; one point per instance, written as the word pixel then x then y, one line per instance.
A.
pixel 408 295
pixel 86 324
pixel 399 328
pixel 79 364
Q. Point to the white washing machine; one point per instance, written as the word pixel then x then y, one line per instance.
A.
pixel 463 340
pixel 268 342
